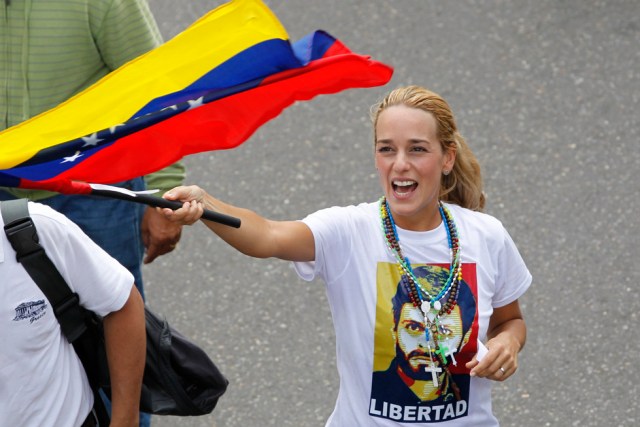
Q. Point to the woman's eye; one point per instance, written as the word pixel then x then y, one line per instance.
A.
pixel 384 149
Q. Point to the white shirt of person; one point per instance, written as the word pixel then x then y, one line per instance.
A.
pixel 351 253
pixel 42 381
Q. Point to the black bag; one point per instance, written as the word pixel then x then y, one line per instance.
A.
pixel 179 377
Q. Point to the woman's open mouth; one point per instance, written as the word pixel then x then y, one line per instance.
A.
pixel 404 187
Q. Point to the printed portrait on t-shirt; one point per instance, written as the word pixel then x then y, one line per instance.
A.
pixel 420 353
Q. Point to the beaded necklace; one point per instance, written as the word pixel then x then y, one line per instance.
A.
pixel 431 306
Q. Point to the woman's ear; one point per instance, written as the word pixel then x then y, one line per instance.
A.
pixel 449 161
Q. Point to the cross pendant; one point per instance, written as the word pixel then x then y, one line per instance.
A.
pixel 442 351
pixel 434 372
pixel 450 352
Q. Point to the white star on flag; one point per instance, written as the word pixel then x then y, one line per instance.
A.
pixel 112 129
pixel 91 140
pixel 72 158
pixel 195 103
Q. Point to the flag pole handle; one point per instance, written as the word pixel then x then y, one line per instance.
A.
pixel 164 203
pixel 171 204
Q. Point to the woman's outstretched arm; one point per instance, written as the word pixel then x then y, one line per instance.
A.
pixel 257 236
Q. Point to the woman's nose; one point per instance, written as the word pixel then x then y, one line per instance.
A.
pixel 401 162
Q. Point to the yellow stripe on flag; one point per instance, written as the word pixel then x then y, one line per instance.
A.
pixel 208 42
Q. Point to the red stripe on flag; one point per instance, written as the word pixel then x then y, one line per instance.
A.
pixel 228 122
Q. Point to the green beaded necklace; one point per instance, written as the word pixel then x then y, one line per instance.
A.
pixel 431 306
pixel 404 266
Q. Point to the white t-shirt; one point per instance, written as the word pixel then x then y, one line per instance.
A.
pixel 361 279
pixel 42 382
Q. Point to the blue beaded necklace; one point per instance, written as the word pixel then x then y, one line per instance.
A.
pixel 431 306
pixel 390 232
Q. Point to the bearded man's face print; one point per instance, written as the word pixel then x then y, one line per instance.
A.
pixel 413 352
pixel 419 364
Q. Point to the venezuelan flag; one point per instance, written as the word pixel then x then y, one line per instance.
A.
pixel 209 88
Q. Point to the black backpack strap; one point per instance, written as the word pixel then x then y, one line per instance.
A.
pixel 22 234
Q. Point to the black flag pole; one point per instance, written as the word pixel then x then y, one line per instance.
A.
pixel 147 199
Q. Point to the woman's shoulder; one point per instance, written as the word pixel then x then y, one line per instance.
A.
pixel 364 210
pixel 351 217
pixel 476 221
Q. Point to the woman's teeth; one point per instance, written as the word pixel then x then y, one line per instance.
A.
pixel 404 186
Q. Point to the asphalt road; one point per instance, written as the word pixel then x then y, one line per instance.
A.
pixel 547 93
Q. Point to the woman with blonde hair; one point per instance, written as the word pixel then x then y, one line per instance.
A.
pixel 422 263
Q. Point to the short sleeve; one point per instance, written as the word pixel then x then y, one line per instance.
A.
pixel 100 281
pixel 331 234
pixel 514 278
pixel 125 31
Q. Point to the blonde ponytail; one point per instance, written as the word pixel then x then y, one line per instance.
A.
pixel 463 186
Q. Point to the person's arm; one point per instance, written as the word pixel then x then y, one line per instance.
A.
pixel 123 31
pixel 257 236
pixel 507 334
pixel 159 235
pixel 125 340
